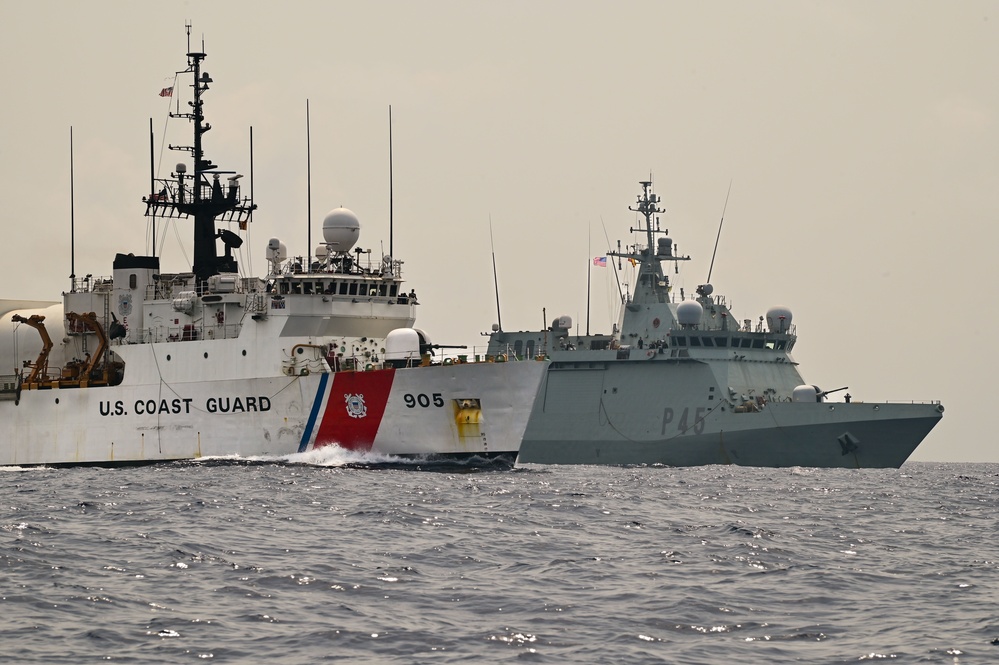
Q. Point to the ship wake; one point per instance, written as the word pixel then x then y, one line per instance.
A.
pixel 337 457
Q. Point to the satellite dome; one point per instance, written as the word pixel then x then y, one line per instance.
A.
pixel 689 312
pixel 341 229
pixel 563 322
pixel 779 319
pixel 276 250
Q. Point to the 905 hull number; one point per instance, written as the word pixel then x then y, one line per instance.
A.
pixel 423 400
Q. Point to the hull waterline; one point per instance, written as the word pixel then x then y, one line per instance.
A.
pixel 855 436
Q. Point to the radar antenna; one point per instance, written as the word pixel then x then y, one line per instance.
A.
pixel 201 194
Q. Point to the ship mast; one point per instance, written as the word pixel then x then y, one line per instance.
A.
pixel 652 286
pixel 201 194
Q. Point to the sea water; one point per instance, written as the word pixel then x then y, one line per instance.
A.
pixel 368 560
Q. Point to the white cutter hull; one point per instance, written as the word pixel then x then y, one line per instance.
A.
pixel 453 410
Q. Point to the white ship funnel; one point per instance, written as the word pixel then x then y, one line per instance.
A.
pixel 133 276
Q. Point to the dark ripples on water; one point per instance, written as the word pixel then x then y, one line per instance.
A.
pixel 371 562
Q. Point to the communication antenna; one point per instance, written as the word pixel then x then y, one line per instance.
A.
pixel 617 277
pixel 152 178
pixel 391 253
pixel 249 220
pixel 718 237
pixel 499 319
pixel 72 218
pixel 308 196
pixel 589 269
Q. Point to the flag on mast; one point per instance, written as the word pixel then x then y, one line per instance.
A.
pixel 166 92
pixel 600 261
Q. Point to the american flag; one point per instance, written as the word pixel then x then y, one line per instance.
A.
pixel 600 261
pixel 166 92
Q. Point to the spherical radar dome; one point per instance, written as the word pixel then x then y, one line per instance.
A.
pixel 689 312
pixel 341 228
pixel 779 319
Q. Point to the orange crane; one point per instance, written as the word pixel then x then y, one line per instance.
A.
pixel 40 368
pixel 87 374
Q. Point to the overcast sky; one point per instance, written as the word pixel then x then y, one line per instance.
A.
pixel 860 138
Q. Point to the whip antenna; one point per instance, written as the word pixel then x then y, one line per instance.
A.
pixel 391 247
pixel 718 237
pixel 499 319
pixel 617 278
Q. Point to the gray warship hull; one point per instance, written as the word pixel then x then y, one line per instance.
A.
pixel 647 413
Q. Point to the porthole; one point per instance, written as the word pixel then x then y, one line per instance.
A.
pixel 168 357
pixel 206 355
pixel 244 352
pixel 57 400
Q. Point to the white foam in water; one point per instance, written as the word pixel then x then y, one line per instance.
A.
pixel 325 456
pixel 337 456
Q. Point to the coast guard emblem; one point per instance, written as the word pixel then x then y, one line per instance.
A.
pixel 355 405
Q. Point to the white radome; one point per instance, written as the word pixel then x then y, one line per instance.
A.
pixel 779 319
pixel 341 229
pixel 689 312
